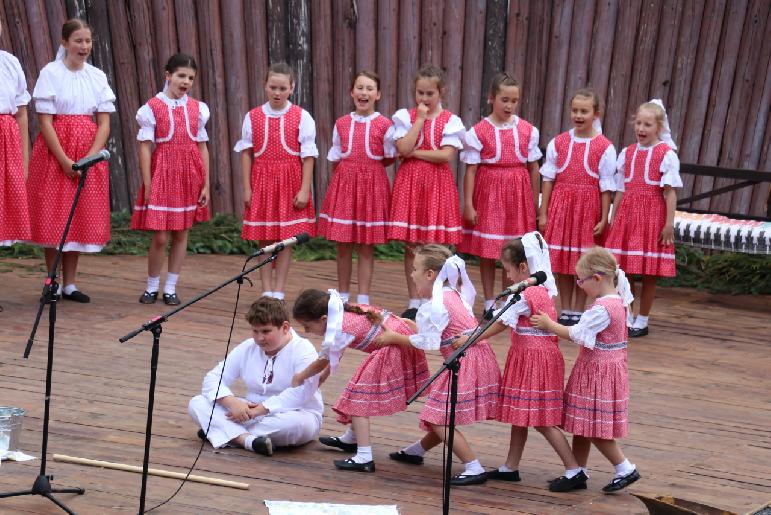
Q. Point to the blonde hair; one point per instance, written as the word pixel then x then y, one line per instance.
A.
pixel 599 261
pixel 434 255
pixel 658 112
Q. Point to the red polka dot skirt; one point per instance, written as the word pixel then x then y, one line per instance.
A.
pixel 14 213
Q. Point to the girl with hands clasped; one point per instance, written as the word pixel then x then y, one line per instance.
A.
pixel 442 276
pixel 642 231
pixel 382 383
pixel 597 392
pixel 175 175
pixel 278 149
pixel 578 178
pixel 424 205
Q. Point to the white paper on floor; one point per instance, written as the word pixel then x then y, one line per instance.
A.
pixel 308 508
pixel 15 456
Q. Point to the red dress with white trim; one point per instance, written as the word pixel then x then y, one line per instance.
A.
pixel 503 195
pixel 424 204
pixel 356 204
pixel 280 140
pixel 479 376
pixel 73 98
pixel 597 392
pixel 177 168
pixel 581 169
pixel 634 236
pixel 532 385
pixel 14 211
pixel 387 377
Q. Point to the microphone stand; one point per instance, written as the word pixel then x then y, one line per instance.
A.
pixel 452 364
pixel 49 297
pixel 155 327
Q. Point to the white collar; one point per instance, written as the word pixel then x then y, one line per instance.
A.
pixel 269 111
pixel 648 147
pixel 507 125
pixel 611 296
pixel 359 118
pixel 172 102
pixel 579 139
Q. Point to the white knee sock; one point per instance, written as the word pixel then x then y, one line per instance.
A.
pixel 640 322
pixel 170 287
pixel 473 468
pixel 153 283
pixel 349 436
pixel 415 449
pixel 68 289
pixel 363 455
pixel 624 468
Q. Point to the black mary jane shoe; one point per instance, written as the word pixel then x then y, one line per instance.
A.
pixel 148 297
pixel 497 475
pixel 619 483
pixel 464 480
pixel 637 332
pixel 171 300
pixel 564 319
pixel 566 484
pixel 77 296
pixel 406 458
pixel 263 445
pixel 202 435
pixel 337 443
pixel 349 464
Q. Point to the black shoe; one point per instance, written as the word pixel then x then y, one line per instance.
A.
pixel 263 445
pixel 406 458
pixel 349 464
pixel 565 484
pixel 77 296
pixel 336 442
pixel 202 435
pixel 464 480
pixel 148 297
pixel 636 333
pixel 410 313
pixel 564 319
pixel 503 476
pixel 621 482
pixel 171 300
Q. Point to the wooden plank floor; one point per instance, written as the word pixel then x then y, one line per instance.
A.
pixel 700 420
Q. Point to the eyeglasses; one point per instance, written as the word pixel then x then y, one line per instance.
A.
pixel 579 282
pixel 267 375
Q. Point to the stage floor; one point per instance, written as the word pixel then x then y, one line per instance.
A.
pixel 700 410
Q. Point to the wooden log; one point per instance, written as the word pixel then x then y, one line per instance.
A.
pixel 761 198
pixel 76 9
pixel 718 126
pixel 41 45
pixel 299 50
pixel 233 36
pixel 537 54
pixel 516 39
pixel 644 54
pixel 366 37
pixel 142 30
pixel 5 37
pixel 557 67
pixel 495 46
pixel 151 471
pixel 323 87
pixel 165 29
pixel 56 15
pixel 17 26
pixel 256 50
pixel 452 52
pixel 699 96
pixel 409 50
pixel 276 30
pixel 473 48
pixel 431 29
pixel 601 52
pixel 127 92
pixel 578 56
pixel 212 72
pixel 387 55
pixel 666 48
pixel 187 34
pixel 344 37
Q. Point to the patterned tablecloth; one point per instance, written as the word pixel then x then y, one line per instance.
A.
pixel 722 233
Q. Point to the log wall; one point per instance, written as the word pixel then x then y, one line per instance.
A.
pixel 709 60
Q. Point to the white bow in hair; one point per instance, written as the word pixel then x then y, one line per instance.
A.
pixel 60 53
pixel 334 327
pixel 454 272
pixel 666 132
pixel 538 259
pixel 597 125
pixel 623 287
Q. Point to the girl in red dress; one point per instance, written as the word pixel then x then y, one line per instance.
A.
pixel 355 210
pixel 578 178
pixel 14 151
pixel 278 149
pixel 382 383
pixel 641 235
pixel 501 183
pixel 69 95
pixel 175 176
pixel 442 276
pixel 424 205
pixel 597 393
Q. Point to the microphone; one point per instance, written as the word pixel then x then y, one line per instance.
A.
pixel 534 280
pixel 297 239
pixel 89 161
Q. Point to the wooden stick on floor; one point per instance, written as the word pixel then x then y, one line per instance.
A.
pixel 153 472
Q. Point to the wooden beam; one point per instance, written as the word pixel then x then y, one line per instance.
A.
pixel 409 50
pixel 557 68
pixel 323 87
pixel 256 50
pixel 495 46
pixel 366 36
pixel 666 49
pixel 601 52
pixel 578 55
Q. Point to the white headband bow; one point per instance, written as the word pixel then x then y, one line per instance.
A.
pixel 623 287
pixel 666 132
pixel 60 53
pixel 538 259
pixel 454 272
pixel 334 327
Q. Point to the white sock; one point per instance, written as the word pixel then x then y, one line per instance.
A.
pixel 363 454
pixel 640 322
pixel 414 303
pixel 415 449
pixel 504 468
pixel 70 288
pixel 170 287
pixel 267 294
pixel 248 441
pixel 278 295
pixel 473 468
pixel 629 318
pixel 345 296
pixel 423 301
pixel 489 303
pixel 572 472
pixel 624 468
pixel 153 283
pixel 362 299
pixel 349 436
pixel 585 471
